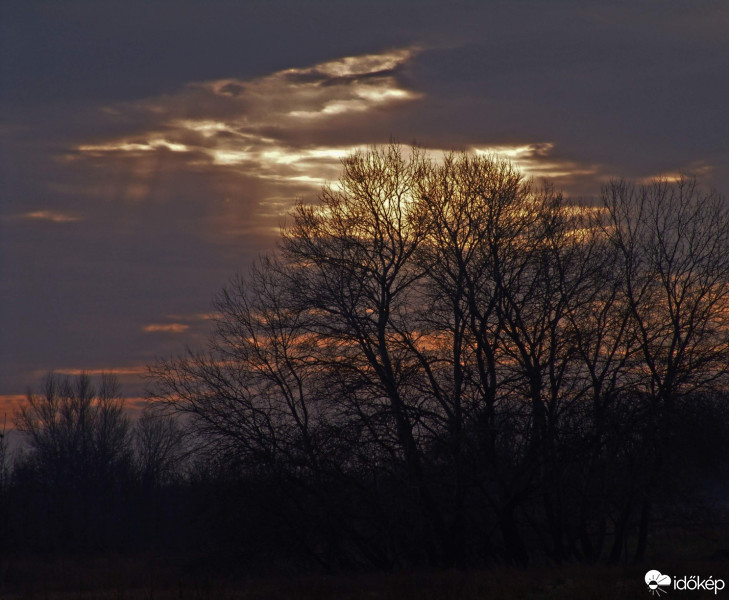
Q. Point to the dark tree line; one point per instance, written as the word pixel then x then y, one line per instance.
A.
pixel 443 363
pixel 87 480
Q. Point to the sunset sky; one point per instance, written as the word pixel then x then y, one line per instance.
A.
pixel 150 150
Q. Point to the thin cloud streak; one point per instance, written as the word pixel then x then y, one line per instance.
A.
pixel 118 371
pixel 47 215
pixel 165 328
pixel 537 160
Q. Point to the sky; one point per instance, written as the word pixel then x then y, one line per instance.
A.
pixel 149 151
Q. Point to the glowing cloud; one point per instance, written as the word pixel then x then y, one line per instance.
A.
pixel 147 146
pixel 536 160
pixel 699 169
pixel 249 124
pixel 165 328
pixel 49 215
pixel 8 404
pixel 266 141
pixel 119 371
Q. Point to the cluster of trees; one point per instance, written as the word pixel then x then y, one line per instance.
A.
pixel 87 479
pixel 442 364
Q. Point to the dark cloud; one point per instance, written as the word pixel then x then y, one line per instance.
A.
pixel 149 150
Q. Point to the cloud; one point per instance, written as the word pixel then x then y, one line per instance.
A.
pixel 232 154
pixel 265 127
pixel 8 405
pixel 165 328
pixel 131 371
pixel 537 160
pixel 258 144
pixel 54 216
pixel 286 129
pixel 696 168
pixel 180 158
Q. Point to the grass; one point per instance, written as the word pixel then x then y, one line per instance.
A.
pixel 677 550
pixel 501 583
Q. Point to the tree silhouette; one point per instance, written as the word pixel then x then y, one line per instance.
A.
pixel 445 363
pixel 78 454
pixel 672 241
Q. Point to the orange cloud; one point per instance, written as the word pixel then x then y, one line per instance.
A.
pixel 165 328
pixel 121 371
pixel 8 405
pixel 49 215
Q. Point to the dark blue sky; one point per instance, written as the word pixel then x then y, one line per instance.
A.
pixel 149 150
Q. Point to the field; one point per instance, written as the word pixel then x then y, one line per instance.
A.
pixel 678 551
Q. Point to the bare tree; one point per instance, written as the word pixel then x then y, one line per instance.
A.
pixel 251 395
pixel 672 240
pixel 359 275
pixel 4 455
pixel 4 509
pixel 79 452
pixel 445 360
pixel 73 428
pixel 160 447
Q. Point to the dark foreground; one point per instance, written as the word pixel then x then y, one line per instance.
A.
pixel 678 551
pixel 501 583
